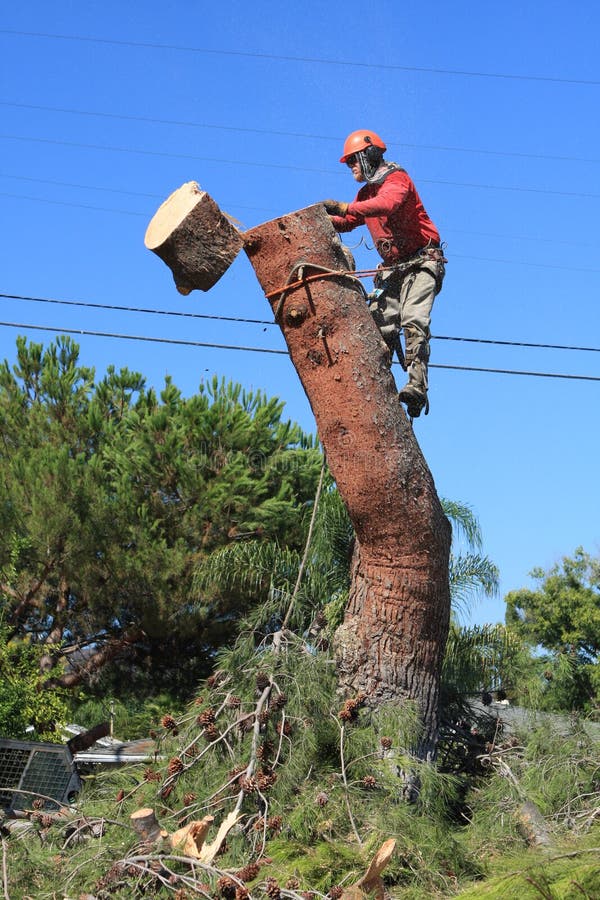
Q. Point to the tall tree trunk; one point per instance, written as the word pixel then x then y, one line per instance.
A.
pixel 393 637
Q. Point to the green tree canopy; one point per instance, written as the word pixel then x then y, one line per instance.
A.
pixel 562 616
pixel 109 496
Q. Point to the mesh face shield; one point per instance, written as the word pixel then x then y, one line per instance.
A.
pixel 370 160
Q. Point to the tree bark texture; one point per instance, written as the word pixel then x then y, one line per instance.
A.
pixel 393 637
pixel 193 237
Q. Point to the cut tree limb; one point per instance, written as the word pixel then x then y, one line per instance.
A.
pixel 145 824
pixel 189 839
pixel 193 237
pixel 371 883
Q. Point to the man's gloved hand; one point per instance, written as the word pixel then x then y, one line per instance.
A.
pixel 335 207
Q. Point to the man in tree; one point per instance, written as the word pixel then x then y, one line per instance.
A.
pixel 409 244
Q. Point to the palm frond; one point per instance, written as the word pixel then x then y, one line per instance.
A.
pixel 465 522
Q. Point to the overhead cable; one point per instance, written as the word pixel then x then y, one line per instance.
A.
pixel 266 132
pixel 255 54
pixel 213 346
pixel 271 165
pixel 86 304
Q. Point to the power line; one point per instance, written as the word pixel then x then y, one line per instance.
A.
pixel 186 123
pixel 304 59
pixel 265 209
pixel 213 346
pixel 123 212
pixel 283 166
pixel 96 187
pixel 147 215
pixel 85 304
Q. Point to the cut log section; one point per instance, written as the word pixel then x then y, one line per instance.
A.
pixel 194 238
pixel 145 824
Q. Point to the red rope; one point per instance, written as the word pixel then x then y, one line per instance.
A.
pixel 363 273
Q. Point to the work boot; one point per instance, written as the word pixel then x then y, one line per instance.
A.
pixel 415 399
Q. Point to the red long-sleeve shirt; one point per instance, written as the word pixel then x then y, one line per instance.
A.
pixel 395 216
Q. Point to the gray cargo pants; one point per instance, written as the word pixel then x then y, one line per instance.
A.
pixel 402 300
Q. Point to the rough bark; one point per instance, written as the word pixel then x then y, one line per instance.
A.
pixel 193 237
pixel 392 641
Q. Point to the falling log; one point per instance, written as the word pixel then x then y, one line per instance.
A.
pixel 194 238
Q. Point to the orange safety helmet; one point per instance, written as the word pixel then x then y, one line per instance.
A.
pixel 360 140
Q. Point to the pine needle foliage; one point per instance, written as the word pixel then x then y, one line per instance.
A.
pixel 316 781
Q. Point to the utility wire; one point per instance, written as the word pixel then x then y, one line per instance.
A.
pixel 283 166
pixel 96 187
pixel 186 123
pixel 84 304
pixel 212 346
pixel 146 216
pixel 265 209
pixel 346 63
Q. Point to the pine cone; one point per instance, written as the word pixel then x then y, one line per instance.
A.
pixel 369 782
pixel 211 733
pixel 151 775
pixel 259 825
pixel 46 821
pixel 272 889
pixel 168 722
pixel 198 701
pixel 292 884
pixel 249 872
pixel 349 711
pixel 274 824
pixel 226 887
pixel 166 791
pixel 189 798
pixel 265 780
pixel 322 798
pixel 263 717
pixel 241 893
pixel 248 785
pixel 234 702
pixel 181 894
pixel 206 718
pixel 175 766
pixel 287 728
pixel 38 803
pixel 265 750
pixel 262 680
pixel 279 701
pixel 386 743
pixel 246 724
pixel 335 892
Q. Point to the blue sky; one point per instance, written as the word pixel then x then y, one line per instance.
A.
pixel 493 109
